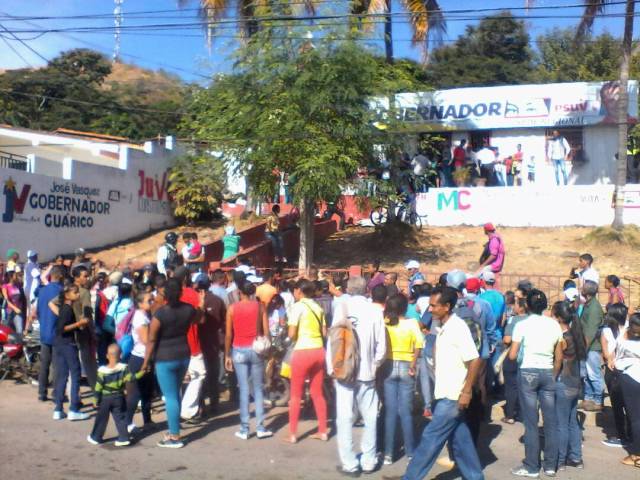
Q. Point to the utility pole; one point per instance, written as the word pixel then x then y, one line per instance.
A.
pixel 117 20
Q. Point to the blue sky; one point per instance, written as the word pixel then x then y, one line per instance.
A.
pixel 184 51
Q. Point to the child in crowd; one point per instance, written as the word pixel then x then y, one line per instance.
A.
pixel 110 397
pixel 612 284
pixel 531 169
pixel 192 247
pixel 231 242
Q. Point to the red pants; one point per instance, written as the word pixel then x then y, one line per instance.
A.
pixel 307 364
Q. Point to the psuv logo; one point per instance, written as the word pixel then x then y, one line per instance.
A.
pixel 454 199
pixel 14 202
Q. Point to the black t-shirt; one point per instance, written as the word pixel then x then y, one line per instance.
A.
pixel 66 317
pixel 172 339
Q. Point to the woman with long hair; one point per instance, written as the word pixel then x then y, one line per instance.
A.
pixel 15 301
pixel 627 362
pixel 307 329
pixel 140 390
pixel 404 342
pixel 614 329
pixel 568 386
pixel 246 320
pixel 167 346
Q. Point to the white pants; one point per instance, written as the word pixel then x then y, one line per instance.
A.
pixel 191 398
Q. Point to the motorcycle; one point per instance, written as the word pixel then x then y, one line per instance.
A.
pixel 19 356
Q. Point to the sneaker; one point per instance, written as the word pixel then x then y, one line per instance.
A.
pixel 264 433
pixel 124 443
pixel 579 464
pixel 131 427
pixel 76 416
pixel 522 471
pixel 346 473
pixel 388 460
pixel 59 415
pixel 427 413
pixel 549 473
pixel 92 441
pixel 242 435
pixel 170 443
pixel 613 442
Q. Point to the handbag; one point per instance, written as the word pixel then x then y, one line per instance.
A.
pixel 285 367
pixel 262 343
pixel 126 347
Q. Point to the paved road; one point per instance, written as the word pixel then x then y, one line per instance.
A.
pixel 35 446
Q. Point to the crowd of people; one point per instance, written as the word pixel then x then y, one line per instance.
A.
pixel 371 347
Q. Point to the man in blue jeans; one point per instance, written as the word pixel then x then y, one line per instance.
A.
pixel 558 152
pixel 591 320
pixel 457 364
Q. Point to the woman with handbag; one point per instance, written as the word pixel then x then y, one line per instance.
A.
pixel 140 390
pixel 246 327
pixel 308 329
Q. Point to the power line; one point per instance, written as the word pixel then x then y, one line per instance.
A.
pixel 16 51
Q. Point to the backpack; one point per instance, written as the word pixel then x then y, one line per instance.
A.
pixel 124 326
pixel 345 351
pixel 464 310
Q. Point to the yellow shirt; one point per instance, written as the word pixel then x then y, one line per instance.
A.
pixel 404 338
pixel 308 316
pixel 265 293
pixel 273 223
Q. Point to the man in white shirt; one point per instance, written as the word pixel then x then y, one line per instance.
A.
pixel 457 363
pixel 558 150
pixel 487 158
pixel 368 322
pixel 585 271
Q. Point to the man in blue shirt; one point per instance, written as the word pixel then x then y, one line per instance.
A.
pixel 48 321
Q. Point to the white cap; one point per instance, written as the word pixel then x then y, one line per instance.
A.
pixel 31 253
pixel 488 276
pixel 412 264
pixel 126 281
pixel 246 269
pixel 571 294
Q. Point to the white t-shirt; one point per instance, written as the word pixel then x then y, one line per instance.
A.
pixel 557 149
pixel 486 156
pixel 454 347
pixel 611 341
pixel 422 305
pixel 628 356
pixel 538 336
pixel 139 319
pixel 589 273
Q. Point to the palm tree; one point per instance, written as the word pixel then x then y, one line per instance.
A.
pixel 592 9
pixel 426 19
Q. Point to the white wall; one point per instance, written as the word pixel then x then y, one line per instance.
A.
pixel 600 146
pixel 124 209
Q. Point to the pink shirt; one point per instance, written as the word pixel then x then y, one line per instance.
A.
pixel 13 292
pixel 496 248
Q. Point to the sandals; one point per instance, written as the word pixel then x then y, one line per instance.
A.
pixel 509 421
pixel 323 437
pixel 631 460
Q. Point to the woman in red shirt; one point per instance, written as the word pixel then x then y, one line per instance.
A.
pixel 244 319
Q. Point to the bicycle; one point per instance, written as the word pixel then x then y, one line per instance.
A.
pixel 403 211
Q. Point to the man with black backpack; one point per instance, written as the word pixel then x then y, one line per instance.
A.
pixel 357 347
pixel 168 257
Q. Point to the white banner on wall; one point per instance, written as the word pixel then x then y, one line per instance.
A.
pixel 103 205
pixel 514 106
pixel 582 205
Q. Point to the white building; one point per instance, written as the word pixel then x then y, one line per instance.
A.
pixel 66 189
pixel 584 113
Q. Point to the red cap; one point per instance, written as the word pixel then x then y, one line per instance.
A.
pixel 473 284
pixel 488 227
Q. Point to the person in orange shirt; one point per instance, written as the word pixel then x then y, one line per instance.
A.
pixel 266 291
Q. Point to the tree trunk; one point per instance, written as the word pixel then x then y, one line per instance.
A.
pixel 307 213
pixel 623 108
pixel 388 34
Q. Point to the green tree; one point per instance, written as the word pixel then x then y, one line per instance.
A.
pixel 496 52
pixel 197 183
pixel 294 107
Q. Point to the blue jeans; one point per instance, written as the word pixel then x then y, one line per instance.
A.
pixel 15 321
pixel 569 434
pixel 537 385
pixel 276 242
pixel 560 166
pixel 249 365
pixel 170 375
pixel 398 395
pixel 593 379
pixel 427 381
pixel 447 424
pixel 67 363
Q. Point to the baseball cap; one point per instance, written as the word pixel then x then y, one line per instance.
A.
pixel 200 279
pixel 473 284
pixel 11 252
pixel 456 279
pixel 412 264
pixel 32 253
pixel 488 276
pixel 488 227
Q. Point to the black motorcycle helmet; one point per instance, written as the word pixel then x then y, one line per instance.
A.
pixel 171 238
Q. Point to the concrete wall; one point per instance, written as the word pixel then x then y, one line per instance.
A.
pixel 41 212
